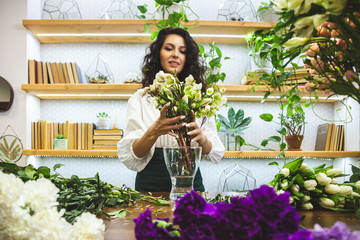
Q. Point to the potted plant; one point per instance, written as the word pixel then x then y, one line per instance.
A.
pixel 103 120
pixel 234 126
pixel 100 79
pixel 60 143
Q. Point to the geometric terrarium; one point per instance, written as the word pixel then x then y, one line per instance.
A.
pixel 237 10
pixel 120 9
pixel 61 9
pixel 99 71
pixel 236 179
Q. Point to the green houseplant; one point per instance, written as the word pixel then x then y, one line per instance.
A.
pixel 103 120
pixel 60 143
pixel 234 126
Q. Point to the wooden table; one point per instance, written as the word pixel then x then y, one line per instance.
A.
pixel 123 228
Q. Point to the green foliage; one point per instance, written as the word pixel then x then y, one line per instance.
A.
pixel 103 115
pixel 60 136
pixel 78 195
pixel 235 124
pixel 213 59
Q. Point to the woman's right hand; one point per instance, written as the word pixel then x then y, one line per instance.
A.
pixel 164 125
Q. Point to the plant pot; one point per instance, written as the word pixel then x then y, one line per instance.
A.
pixel 294 142
pixel 60 144
pixel 182 164
pixel 103 123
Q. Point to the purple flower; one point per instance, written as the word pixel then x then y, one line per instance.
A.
pixel 339 231
pixel 145 228
pixel 302 234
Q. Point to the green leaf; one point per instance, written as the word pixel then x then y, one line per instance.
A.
pixel 201 49
pixel 224 122
pixel 146 27
pixel 29 171
pixel 267 117
pixel 142 8
pixel 274 163
pixel 154 35
pixel 294 165
pixel 231 116
pixel 58 165
pixel 118 214
pixel 45 171
pixel 215 62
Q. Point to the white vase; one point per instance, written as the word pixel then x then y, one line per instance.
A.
pixel 60 144
pixel 103 123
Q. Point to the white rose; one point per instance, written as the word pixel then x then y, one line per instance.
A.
pixel 357 184
pixel 285 172
pixel 334 171
pixel 322 179
pixel 303 166
pixel 346 190
pixel 332 189
pixel 326 202
pixel 307 206
pixel 310 184
pixel 306 198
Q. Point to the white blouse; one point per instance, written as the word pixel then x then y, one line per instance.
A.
pixel 140 115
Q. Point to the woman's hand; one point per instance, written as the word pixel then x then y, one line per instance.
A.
pixel 197 135
pixel 164 125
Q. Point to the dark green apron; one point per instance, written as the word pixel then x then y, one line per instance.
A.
pixel 156 178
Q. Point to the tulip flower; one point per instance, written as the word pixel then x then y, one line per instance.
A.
pixel 322 179
pixel 332 189
pixel 326 202
pixel 346 190
pixel 285 172
pixel 310 184
pixel 334 171
pixel 357 184
pixel 307 206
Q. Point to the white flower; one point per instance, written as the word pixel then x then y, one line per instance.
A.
pixel 303 166
pixel 209 91
pixel 280 192
pixel 334 7
pixel 160 76
pixel 334 171
pixel 185 98
pixel 88 227
pixel 326 202
pixel 322 179
pixel 10 189
pixel 310 184
pixel 346 190
pixel 304 26
pixel 222 90
pixel 295 188
pixel 332 189
pixel 307 206
pixel 291 199
pixel 357 184
pixel 284 184
pixel 333 180
pixel 306 198
pixel 190 80
pixel 356 194
pixel 40 193
pixel 295 41
pixel 285 172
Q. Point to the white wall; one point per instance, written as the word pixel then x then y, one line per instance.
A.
pixel 13 64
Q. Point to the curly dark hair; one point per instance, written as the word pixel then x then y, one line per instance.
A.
pixel 194 65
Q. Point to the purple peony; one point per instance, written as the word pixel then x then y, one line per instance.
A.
pixel 145 228
pixel 338 232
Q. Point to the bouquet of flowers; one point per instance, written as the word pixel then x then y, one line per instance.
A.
pixel 263 214
pixel 29 211
pixel 329 33
pixel 184 98
pixel 312 187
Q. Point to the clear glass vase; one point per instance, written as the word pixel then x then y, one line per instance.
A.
pixel 182 164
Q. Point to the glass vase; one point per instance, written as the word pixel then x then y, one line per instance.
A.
pixel 182 164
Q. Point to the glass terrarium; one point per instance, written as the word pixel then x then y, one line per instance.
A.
pixel 61 9
pixel 237 10
pixel 120 9
pixel 99 71
pixel 236 179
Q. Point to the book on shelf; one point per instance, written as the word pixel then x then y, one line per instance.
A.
pixel 106 142
pixel 108 132
pixel 107 137
pixel 321 137
pixel 329 137
pixel 40 72
pixel 99 147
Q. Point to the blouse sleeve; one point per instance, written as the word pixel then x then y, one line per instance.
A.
pixel 134 129
pixel 218 149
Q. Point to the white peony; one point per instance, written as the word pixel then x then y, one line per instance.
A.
pixel 88 227
pixel 285 172
pixel 332 189
pixel 346 190
pixel 310 184
pixel 10 189
pixel 323 179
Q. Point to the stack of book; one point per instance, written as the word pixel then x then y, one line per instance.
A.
pixel 252 77
pixel 106 139
pixel 79 135
pixel 330 137
pixel 53 73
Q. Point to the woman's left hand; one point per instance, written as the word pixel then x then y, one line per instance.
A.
pixel 195 132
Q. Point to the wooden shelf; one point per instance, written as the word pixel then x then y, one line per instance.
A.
pixel 124 91
pixel 228 154
pixel 92 30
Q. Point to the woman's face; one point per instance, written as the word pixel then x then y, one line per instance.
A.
pixel 173 54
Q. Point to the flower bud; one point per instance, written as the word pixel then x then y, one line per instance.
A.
pixel 322 179
pixel 306 198
pixel 295 188
pixel 334 171
pixel 357 184
pixel 326 202
pixel 291 199
pixel 332 189
pixel 345 190
pixel 310 184
pixel 356 194
pixel 303 166
pixel 285 172
pixel 307 206
pixel 284 184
